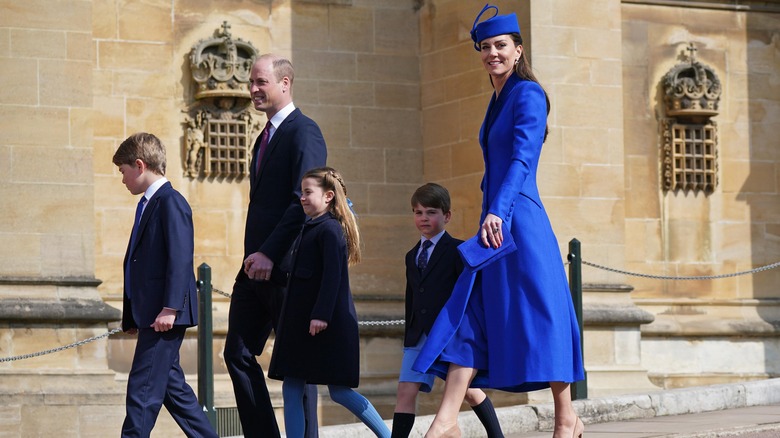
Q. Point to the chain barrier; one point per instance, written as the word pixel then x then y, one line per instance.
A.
pixel 394 322
pixel 693 277
pixel 64 347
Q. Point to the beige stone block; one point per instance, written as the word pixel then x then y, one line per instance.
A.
pixel 397 95
pixel 642 191
pixel 6 152
pixel 80 46
pixel 211 233
pixel 326 65
pixel 306 92
pixel 555 180
pixel 104 22
pixel 5 43
pixel 389 199
pixel 432 93
pixel 312 26
pixel 467 158
pixel 66 425
pixel 764 207
pixel 145 21
pixel 69 15
pixel 10 421
pixel 351 29
pixel 27 123
pixel 388 68
pixel 550 67
pixel 559 40
pixel 359 165
pixel 19 252
pixel 747 177
pixel 437 162
pixel 403 165
pixel 437 127
pixel 381 355
pixel 584 107
pixel 76 73
pixel 69 255
pixel 138 56
pixel 599 43
pixel 109 117
pixel 573 13
pixel 52 165
pixel 394 129
pixel 397 30
pixel 597 220
pixel 20 83
pixel 156 85
pixel 335 122
pixel 143 115
pixel 584 145
pixel 346 93
pixel 26 43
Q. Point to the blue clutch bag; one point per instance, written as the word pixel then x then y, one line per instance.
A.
pixel 476 255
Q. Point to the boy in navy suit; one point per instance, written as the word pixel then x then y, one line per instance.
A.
pixel 432 267
pixel 160 297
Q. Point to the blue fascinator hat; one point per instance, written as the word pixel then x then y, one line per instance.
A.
pixel 493 26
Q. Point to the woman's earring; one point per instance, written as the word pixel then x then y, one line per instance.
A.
pixel 517 60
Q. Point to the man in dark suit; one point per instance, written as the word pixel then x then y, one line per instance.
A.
pixel 160 299
pixel 290 144
pixel 432 268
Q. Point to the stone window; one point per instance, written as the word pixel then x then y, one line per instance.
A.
pixel 689 158
pixel 220 126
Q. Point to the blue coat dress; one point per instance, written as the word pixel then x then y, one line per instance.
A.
pixel 518 328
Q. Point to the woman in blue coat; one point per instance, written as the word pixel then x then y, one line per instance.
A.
pixel 515 328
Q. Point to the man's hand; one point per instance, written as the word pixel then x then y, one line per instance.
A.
pixel 316 326
pixel 164 320
pixel 258 267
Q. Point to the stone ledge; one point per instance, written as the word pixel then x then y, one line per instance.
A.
pixel 26 311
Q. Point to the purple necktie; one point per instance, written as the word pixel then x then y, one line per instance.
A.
pixel 264 136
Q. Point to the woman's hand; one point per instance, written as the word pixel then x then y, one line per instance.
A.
pixel 491 232
pixel 316 326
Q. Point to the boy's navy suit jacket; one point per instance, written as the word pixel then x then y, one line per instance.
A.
pixel 427 291
pixel 161 261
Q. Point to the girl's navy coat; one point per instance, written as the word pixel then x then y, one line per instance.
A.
pixel 318 288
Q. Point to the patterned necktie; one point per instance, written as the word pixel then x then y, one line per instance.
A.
pixel 264 136
pixel 138 212
pixel 422 259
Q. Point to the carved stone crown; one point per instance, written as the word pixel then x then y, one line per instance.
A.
pixel 691 89
pixel 221 65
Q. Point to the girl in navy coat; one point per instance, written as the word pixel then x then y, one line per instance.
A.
pixel 317 340
pixel 518 331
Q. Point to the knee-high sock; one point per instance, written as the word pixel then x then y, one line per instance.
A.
pixel 487 415
pixel 292 394
pixel 402 424
pixel 361 407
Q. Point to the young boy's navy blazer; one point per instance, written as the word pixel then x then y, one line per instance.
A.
pixel 161 275
pixel 427 291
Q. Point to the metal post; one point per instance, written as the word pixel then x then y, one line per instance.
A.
pixel 579 390
pixel 205 345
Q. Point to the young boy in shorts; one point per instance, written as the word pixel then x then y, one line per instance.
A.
pixel 432 267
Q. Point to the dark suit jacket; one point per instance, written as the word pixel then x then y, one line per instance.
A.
pixel 161 259
pixel 427 292
pixel 275 215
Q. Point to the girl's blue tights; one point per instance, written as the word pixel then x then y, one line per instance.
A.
pixel 294 422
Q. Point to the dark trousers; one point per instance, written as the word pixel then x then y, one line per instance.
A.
pixel 156 379
pixel 254 312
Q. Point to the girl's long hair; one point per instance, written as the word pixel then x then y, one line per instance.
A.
pixel 330 179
